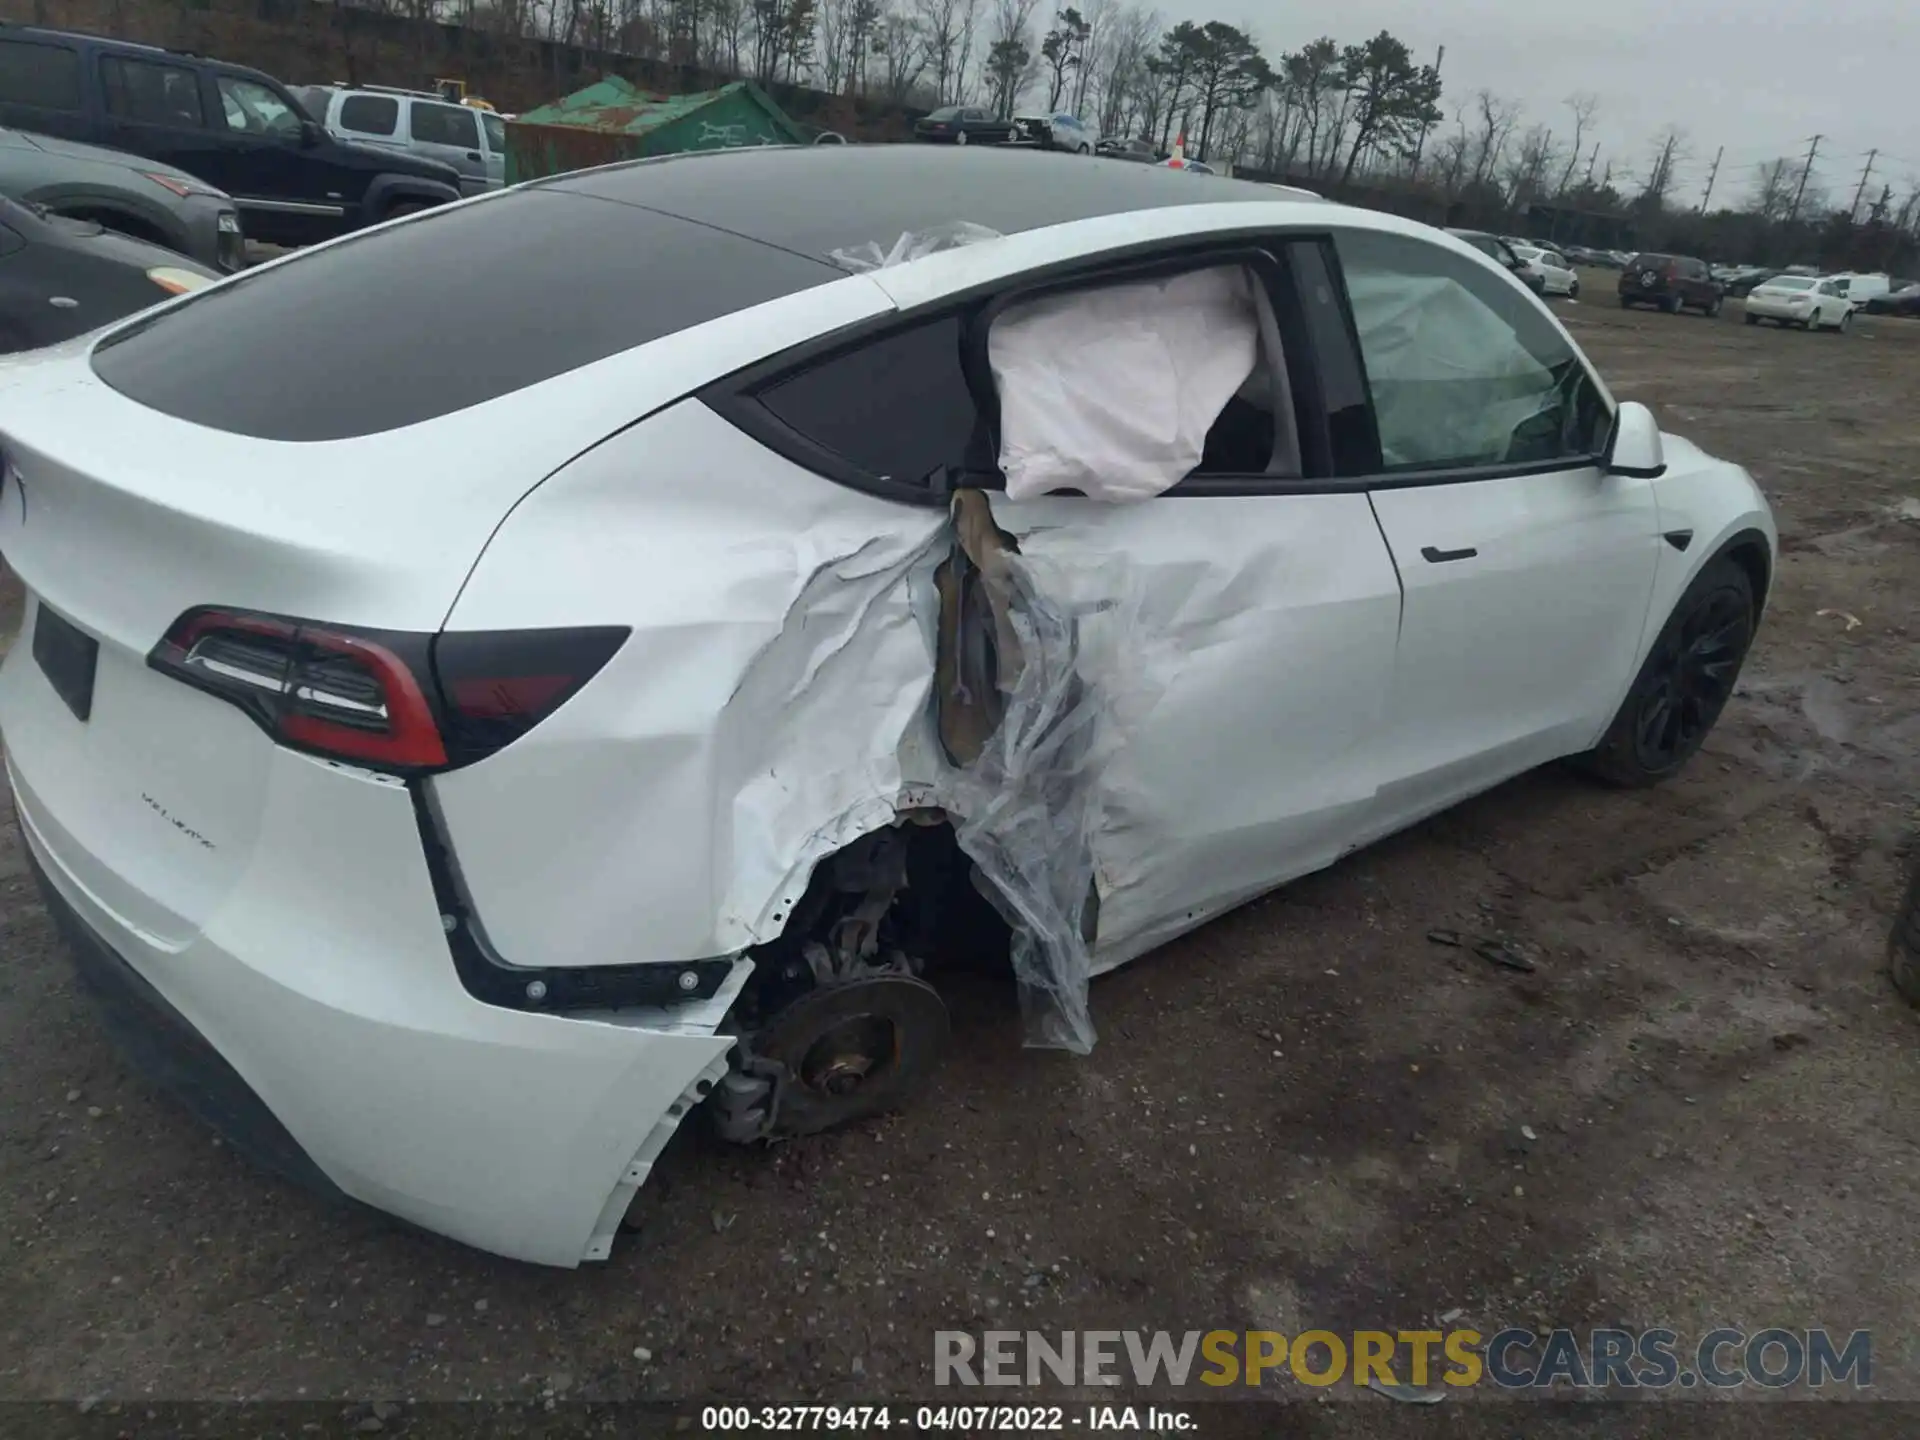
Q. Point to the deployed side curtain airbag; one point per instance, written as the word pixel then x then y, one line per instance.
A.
pixel 1111 391
pixel 1452 383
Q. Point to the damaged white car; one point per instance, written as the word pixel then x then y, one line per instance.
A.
pixel 473 714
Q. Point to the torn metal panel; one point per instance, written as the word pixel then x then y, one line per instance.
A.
pixel 1029 792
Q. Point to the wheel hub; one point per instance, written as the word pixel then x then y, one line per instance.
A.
pixel 852 1049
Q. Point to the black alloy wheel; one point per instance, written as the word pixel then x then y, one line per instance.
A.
pixel 1684 683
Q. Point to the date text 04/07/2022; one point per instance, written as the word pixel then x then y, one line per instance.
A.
pixel 958 1419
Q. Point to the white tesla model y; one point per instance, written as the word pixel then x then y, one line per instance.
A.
pixel 497 682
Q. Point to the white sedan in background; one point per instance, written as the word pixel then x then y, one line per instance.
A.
pixel 1556 275
pixel 1802 300
pixel 455 776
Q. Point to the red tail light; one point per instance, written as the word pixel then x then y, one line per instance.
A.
pixel 376 697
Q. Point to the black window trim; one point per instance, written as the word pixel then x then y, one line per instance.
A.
pixel 1380 478
pixel 735 397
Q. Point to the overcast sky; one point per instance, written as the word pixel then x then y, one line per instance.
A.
pixel 1758 79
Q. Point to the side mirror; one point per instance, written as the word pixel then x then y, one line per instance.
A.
pixel 1633 448
pixel 309 134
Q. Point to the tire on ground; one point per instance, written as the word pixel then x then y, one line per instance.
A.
pixel 1619 759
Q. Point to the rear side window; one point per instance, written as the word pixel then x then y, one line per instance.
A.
pixel 44 76
pixel 445 125
pixel 897 407
pixel 370 114
pixel 405 324
pixel 496 132
pixel 151 94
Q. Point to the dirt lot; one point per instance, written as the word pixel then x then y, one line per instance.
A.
pixel 1305 1115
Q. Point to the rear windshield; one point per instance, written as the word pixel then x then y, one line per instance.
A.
pixel 413 322
pixel 1789 282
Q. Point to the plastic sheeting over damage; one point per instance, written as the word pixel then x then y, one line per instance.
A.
pixel 914 245
pixel 1111 391
pixel 1028 789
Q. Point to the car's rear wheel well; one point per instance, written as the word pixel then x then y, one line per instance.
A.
pixel 838 1020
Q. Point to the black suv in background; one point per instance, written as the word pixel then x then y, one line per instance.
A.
pixel 1672 282
pixel 232 127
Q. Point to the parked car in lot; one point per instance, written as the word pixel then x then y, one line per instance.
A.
pixel 1739 280
pixel 1059 131
pixel 1498 249
pixel 1556 275
pixel 1905 300
pixel 719 644
pixel 61 277
pixel 471 140
pixel 1861 288
pixel 235 128
pixel 1801 301
pixel 1670 282
pixel 963 125
pixel 142 198
pixel 1128 148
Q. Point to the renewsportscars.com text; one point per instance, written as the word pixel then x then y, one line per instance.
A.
pixel 1512 1359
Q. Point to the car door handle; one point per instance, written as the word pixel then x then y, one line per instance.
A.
pixel 473 154
pixel 1440 557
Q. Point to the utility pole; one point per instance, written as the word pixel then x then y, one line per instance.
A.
pixel 1711 176
pixel 1853 212
pixel 1813 148
pixel 1420 145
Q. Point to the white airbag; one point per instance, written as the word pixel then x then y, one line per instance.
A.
pixel 1111 391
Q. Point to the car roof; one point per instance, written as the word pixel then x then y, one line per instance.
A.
pixel 136 47
pixel 815 199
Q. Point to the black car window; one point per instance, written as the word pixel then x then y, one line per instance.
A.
pixel 897 407
pixel 148 93
pixel 255 109
pixel 382 331
pixel 370 114
pixel 1465 369
pixel 44 76
pixel 496 129
pixel 435 124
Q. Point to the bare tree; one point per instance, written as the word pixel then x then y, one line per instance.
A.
pixel 1666 152
pixel 1584 106
pixel 1012 61
pixel 946 27
pixel 1491 125
pixel 1526 172
pixel 1773 182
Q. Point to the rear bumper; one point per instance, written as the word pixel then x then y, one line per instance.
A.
pixel 317 1021
pixel 162 1045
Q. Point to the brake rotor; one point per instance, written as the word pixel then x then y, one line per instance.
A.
pixel 853 1049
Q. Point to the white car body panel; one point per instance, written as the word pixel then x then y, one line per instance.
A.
pixel 1266 633
pixel 771 705
pixel 1509 656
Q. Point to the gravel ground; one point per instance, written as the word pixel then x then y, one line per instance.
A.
pixel 1305 1115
